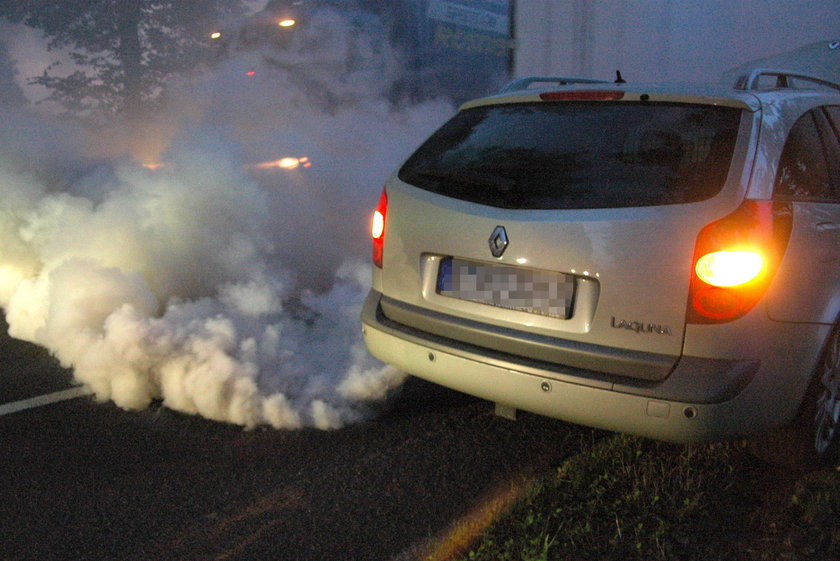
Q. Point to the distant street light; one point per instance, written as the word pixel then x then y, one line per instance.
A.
pixel 215 35
pixel 286 22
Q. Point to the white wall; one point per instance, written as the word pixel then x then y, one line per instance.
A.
pixel 668 40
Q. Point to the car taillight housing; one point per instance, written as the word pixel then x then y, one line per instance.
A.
pixel 377 228
pixel 735 259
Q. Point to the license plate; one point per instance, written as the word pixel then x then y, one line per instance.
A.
pixel 515 288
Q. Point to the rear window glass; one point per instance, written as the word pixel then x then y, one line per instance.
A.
pixel 578 155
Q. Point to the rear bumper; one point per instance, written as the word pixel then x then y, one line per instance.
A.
pixel 700 400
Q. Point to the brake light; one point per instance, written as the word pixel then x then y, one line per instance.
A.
pixel 735 259
pixel 583 95
pixel 377 228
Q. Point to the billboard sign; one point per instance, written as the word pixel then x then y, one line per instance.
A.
pixel 468 41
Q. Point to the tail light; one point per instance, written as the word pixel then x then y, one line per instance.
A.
pixel 377 228
pixel 735 259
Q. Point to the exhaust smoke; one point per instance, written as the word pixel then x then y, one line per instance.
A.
pixel 221 288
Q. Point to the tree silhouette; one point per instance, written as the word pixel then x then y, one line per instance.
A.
pixel 10 93
pixel 126 52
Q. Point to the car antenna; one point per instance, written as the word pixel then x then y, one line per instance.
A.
pixel 618 78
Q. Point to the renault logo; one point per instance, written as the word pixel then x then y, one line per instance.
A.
pixel 498 241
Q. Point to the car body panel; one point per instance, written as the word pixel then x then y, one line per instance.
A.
pixel 806 284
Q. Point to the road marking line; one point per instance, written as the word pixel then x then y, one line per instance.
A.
pixel 460 537
pixel 47 399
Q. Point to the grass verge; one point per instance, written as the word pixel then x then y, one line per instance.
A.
pixel 626 498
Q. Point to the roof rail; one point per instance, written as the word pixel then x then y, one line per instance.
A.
pixel 750 80
pixel 524 83
pixel 818 63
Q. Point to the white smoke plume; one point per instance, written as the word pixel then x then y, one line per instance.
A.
pixel 220 287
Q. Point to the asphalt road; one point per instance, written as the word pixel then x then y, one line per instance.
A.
pixel 85 480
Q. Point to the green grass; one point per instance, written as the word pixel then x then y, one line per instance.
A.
pixel 626 498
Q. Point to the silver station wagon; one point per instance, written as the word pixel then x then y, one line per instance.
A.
pixel 656 260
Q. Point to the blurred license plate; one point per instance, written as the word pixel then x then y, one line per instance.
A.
pixel 515 288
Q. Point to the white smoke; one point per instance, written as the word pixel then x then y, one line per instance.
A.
pixel 221 289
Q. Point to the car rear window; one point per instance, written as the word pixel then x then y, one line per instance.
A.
pixel 578 155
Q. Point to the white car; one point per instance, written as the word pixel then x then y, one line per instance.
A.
pixel 656 260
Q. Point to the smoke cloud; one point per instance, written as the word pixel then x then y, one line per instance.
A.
pixel 210 278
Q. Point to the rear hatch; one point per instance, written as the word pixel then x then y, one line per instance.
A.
pixel 562 231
